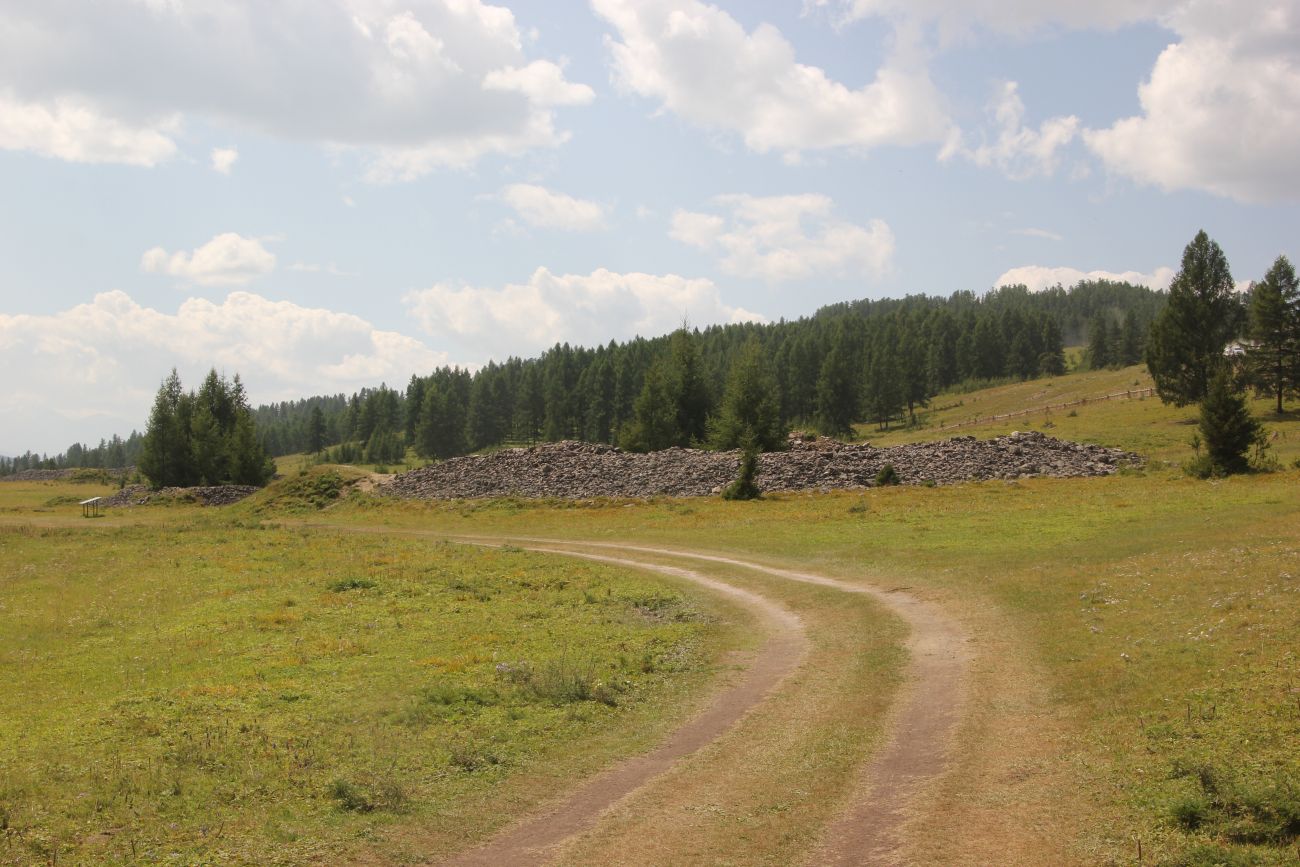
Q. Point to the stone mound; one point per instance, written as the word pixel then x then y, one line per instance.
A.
pixel 213 495
pixel 36 476
pixel 574 470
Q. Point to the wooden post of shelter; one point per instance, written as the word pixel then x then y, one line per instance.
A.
pixel 90 508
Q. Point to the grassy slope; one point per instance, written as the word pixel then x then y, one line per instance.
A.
pixel 1144 425
pixel 180 684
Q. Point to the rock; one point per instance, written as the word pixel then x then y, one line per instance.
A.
pixel 575 470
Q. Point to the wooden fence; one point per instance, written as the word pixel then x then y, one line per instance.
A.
pixel 1132 394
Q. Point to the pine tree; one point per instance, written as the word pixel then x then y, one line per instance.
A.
pixel 1185 344
pixel 166 454
pixel 684 378
pixel 654 423
pixel 316 431
pixel 1273 360
pixel 249 462
pixel 750 413
pixel 1227 427
pixel 1099 342
pixel 883 393
pixel 1051 361
pixel 837 388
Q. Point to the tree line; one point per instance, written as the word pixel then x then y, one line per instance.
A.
pixel 113 453
pixel 873 360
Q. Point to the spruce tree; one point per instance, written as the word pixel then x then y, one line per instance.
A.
pixel 1186 341
pixel 1226 426
pixel 1273 360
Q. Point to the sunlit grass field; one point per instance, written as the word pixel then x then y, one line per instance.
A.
pixel 181 687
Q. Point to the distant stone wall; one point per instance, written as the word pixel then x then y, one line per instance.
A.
pixel 573 470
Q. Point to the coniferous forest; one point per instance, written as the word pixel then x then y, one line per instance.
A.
pixel 871 360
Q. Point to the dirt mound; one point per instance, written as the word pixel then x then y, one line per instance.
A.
pixel 213 495
pixel 573 470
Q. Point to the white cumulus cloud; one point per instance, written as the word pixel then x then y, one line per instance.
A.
pixel 223 159
pixel 779 238
pixel 1017 150
pixel 80 384
pixel 74 129
pixel 701 64
pixel 1038 277
pixel 411 86
pixel 547 209
pixel 522 319
pixel 1002 16
pixel 1221 110
pixel 228 259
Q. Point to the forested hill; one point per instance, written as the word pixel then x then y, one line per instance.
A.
pixel 873 360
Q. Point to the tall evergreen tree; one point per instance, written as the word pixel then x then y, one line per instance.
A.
pixel 1186 341
pixel 687 386
pixel 883 391
pixel 750 413
pixel 654 424
pixel 165 456
pixel 837 388
pixel 316 431
pixel 1274 358
pixel 1099 342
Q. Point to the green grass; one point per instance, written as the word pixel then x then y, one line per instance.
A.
pixel 187 689
pixel 1143 425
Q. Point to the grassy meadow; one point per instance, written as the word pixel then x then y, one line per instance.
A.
pixel 183 686
pixel 254 685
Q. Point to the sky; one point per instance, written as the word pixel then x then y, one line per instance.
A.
pixel 322 196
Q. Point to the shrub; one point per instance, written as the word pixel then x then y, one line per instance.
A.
pixel 744 488
pixel 887 476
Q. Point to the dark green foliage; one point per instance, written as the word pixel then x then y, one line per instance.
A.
pixel 744 487
pixel 750 410
pixel 654 416
pixel 674 404
pixel 316 431
pixel 1099 343
pixel 883 392
pixel 206 437
pixel 838 389
pixel 1186 341
pixel 1238 808
pixel 1273 361
pixel 384 446
pixel 1226 426
pixel 887 476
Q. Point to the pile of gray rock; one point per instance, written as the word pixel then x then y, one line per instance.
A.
pixel 574 470
pixel 213 495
